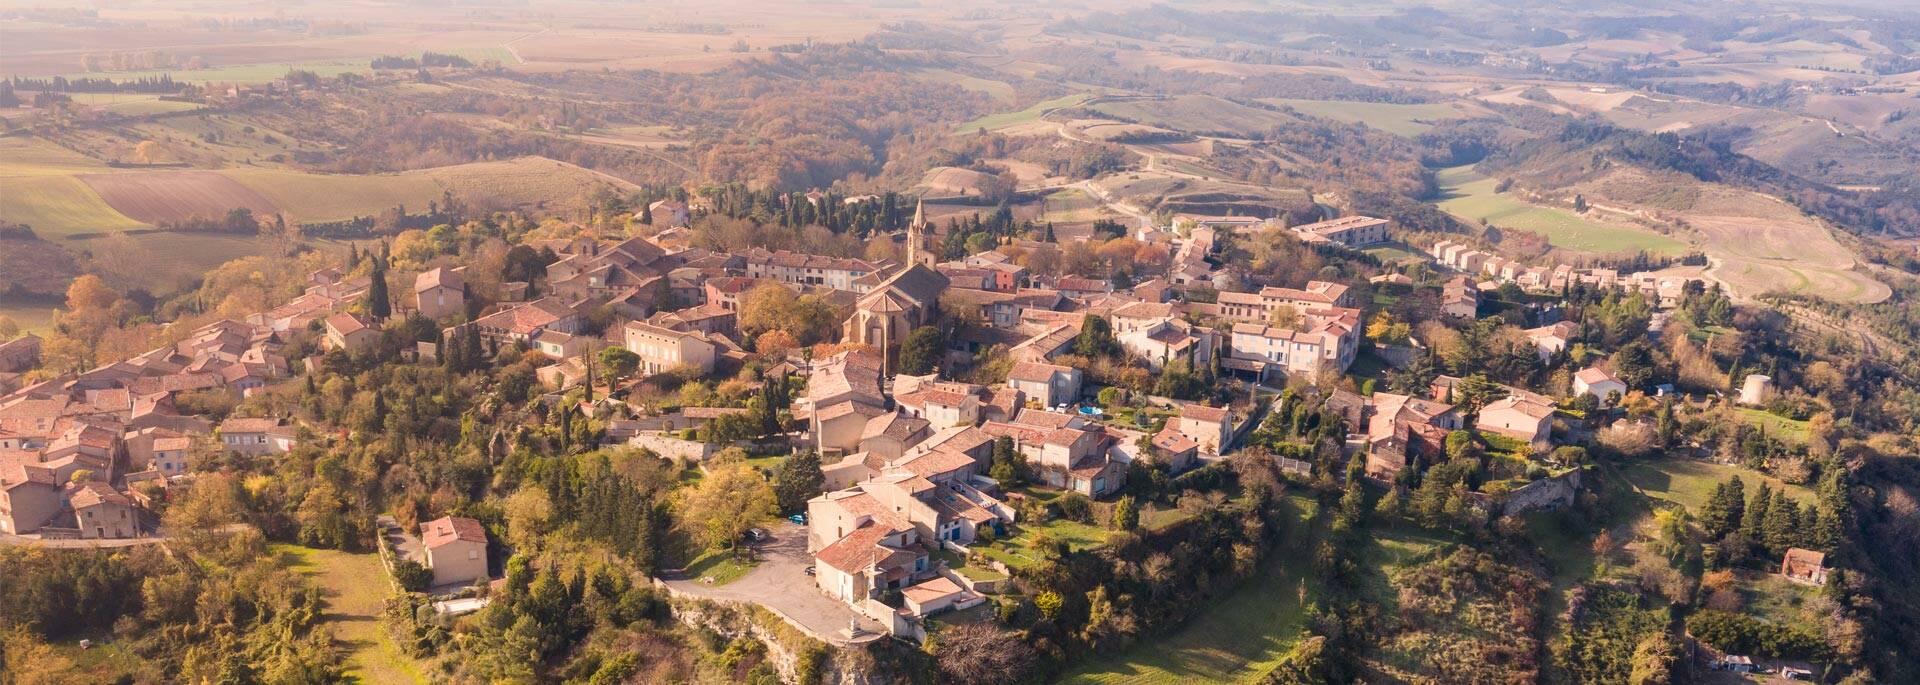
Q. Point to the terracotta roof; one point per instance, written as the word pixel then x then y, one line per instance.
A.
pixel 94 493
pixel 1203 413
pixel 345 324
pixel 1593 375
pixel 443 530
pixel 438 278
pixel 1036 372
pixel 859 550
pixel 931 463
pixel 893 425
pixel 239 425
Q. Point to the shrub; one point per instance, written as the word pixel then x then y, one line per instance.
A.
pixel 1743 634
pixel 1075 507
pixel 412 576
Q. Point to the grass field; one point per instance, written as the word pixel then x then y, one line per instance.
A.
pixel 1394 252
pixel 38 188
pixel 1243 635
pixel 59 206
pixel 1397 119
pixel 1238 640
pixel 355 586
pixel 1005 119
pixel 720 565
pixel 1469 195
pixel 1689 482
pixel 132 104
pixel 998 89
pixel 32 319
pixel 1197 113
pixel 1776 425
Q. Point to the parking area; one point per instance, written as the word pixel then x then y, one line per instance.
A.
pixel 780 583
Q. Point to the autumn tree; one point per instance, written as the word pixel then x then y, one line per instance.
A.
pixel 726 503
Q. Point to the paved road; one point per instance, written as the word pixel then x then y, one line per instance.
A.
pixel 780 583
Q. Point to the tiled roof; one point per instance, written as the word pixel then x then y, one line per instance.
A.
pixel 1203 413
pixel 858 551
pixel 447 529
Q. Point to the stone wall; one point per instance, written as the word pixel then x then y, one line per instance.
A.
pixel 672 447
pixel 1546 493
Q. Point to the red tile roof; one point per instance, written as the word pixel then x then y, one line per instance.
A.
pixel 446 529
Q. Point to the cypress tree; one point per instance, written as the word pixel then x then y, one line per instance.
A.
pixel 1782 526
pixel 1715 516
pixel 378 304
pixel 1753 521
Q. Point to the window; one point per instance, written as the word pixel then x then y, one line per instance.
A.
pixel 473 554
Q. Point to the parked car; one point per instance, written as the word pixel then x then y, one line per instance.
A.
pixel 758 535
pixel 810 570
pixel 798 518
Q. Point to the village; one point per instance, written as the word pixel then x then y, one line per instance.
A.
pixel 929 486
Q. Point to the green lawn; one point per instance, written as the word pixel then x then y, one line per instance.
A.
pixel 959 565
pixel 720 565
pixel 1018 551
pixel 1469 195
pixel 1770 596
pixel 1776 425
pixel 1397 119
pixel 1005 119
pixel 1394 252
pixel 355 586
pixel 1689 482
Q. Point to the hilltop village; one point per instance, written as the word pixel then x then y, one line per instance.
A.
pixel 864 446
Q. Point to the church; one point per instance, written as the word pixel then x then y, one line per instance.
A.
pixel 905 300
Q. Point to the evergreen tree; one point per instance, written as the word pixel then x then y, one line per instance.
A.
pixel 1781 529
pixel 798 480
pixel 920 353
pixel 1753 520
pixel 378 303
pixel 1126 516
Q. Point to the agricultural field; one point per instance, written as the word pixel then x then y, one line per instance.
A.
pixel 156 196
pixel 41 190
pixel 355 586
pixel 132 104
pixel 1690 482
pixel 1197 113
pixel 1468 194
pixel 1068 205
pixel 1397 119
pixel 998 89
pixel 31 318
pixel 1005 119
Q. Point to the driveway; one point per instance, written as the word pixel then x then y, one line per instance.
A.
pixel 405 543
pixel 781 584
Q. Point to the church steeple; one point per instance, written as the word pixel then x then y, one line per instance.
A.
pixel 915 241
